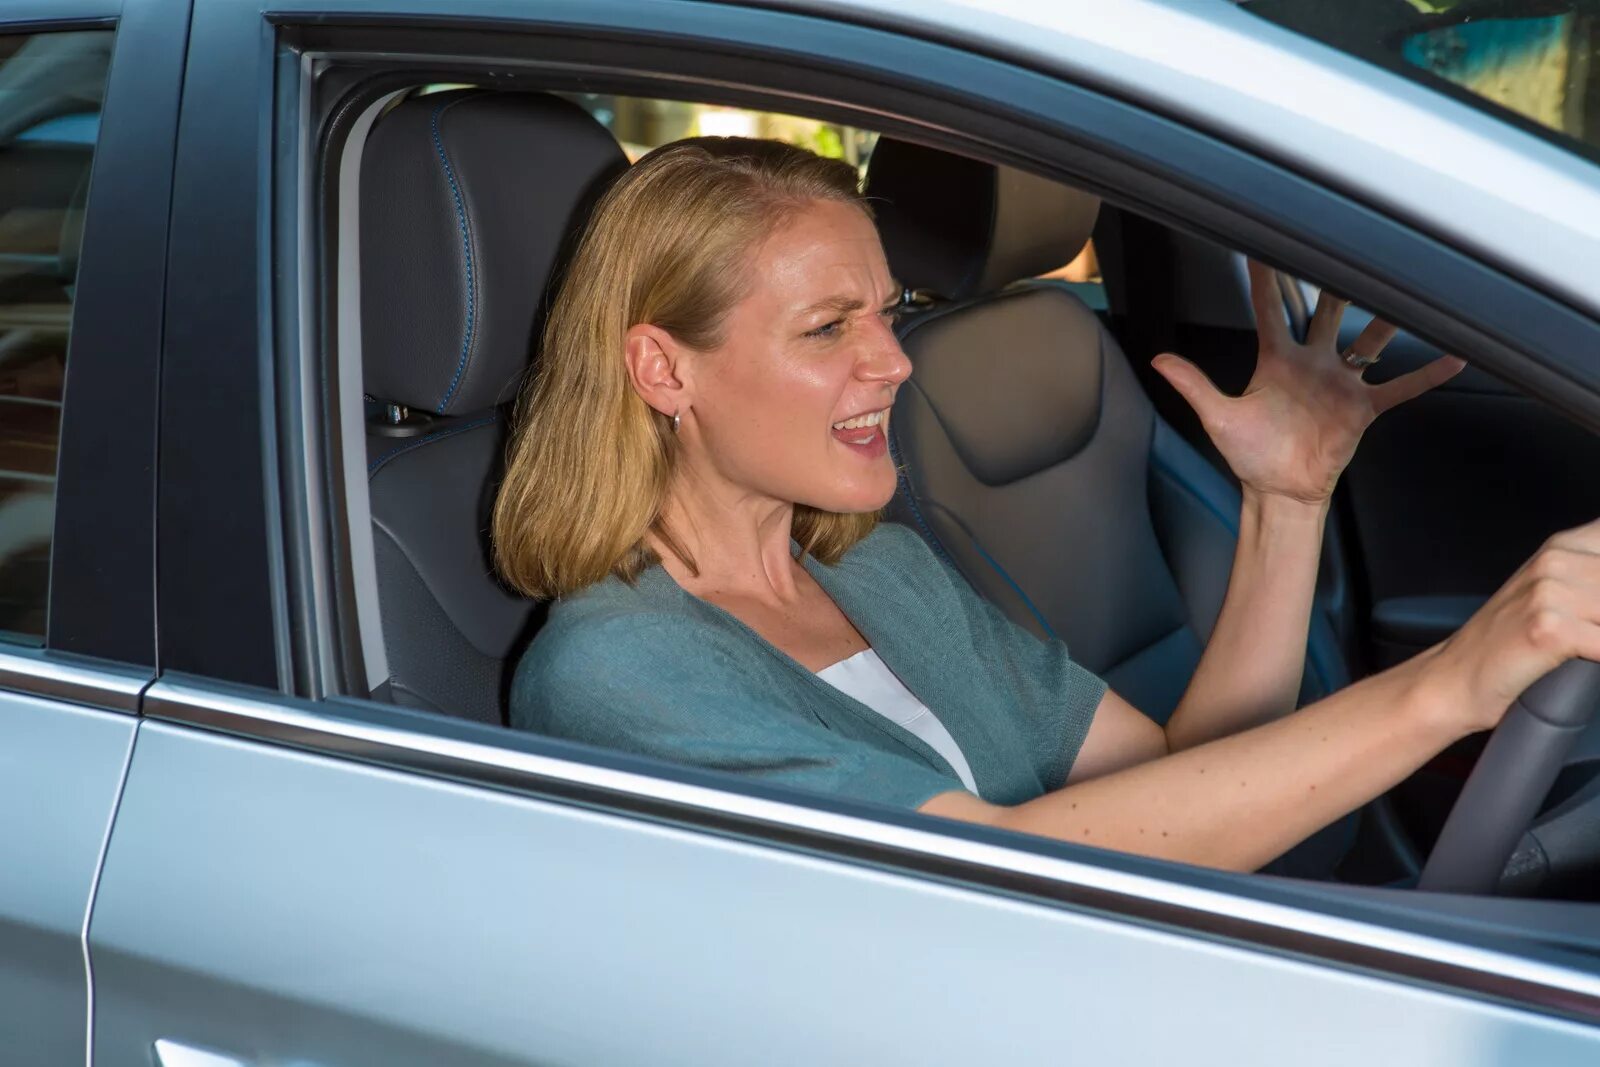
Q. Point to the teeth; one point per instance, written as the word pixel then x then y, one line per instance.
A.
pixel 861 421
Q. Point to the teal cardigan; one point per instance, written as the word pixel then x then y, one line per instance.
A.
pixel 651 669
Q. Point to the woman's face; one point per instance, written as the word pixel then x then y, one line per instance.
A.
pixel 794 404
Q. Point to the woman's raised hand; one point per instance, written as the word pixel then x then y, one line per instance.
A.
pixel 1296 425
pixel 1547 613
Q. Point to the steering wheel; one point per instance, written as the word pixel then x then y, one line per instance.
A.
pixel 1493 819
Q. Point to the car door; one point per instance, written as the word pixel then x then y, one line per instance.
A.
pixel 88 96
pixel 300 876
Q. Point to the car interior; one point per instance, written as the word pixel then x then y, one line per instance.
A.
pixel 1039 454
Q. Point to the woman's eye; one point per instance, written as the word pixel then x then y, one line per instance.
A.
pixel 826 330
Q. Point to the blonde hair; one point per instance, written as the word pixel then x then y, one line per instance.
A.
pixel 668 244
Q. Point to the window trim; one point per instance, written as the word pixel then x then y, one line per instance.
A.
pixel 52 676
pixel 44 16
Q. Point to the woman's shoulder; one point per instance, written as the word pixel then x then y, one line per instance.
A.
pixel 897 556
pixel 615 630
pixel 893 546
pixel 617 620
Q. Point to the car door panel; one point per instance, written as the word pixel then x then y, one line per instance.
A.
pixel 60 770
pixel 276 906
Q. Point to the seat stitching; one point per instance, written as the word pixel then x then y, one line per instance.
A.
pixel 438 435
pixel 903 475
pixel 1001 571
pixel 1171 474
pixel 466 248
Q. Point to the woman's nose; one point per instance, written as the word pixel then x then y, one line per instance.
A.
pixel 885 361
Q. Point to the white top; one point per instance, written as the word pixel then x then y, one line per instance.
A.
pixel 868 679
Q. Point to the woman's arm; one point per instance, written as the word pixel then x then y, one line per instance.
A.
pixel 1250 671
pixel 1287 437
pixel 1251 668
pixel 1240 801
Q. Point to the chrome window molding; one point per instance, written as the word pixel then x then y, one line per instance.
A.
pixel 55 677
pixel 1350 943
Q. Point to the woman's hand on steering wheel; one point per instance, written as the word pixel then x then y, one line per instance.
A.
pixel 1548 612
pixel 1296 425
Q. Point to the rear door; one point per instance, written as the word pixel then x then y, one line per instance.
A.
pixel 296 876
pixel 88 98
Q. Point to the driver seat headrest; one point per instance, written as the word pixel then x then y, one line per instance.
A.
pixel 470 201
pixel 958 227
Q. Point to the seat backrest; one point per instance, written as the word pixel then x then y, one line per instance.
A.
pixel 1030 456
pixel 469 201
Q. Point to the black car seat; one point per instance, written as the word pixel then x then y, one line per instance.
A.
pixel 1032 460
pixel 469 200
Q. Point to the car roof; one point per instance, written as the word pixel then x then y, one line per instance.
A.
pixel 1468 178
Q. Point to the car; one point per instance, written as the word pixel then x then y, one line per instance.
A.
pixel 256 373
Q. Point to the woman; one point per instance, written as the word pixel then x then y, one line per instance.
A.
pixel 696 477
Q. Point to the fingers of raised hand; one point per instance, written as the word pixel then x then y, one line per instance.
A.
pixel 1272 324
pixel 1324 327
pixel 1372 340
pixel 1414 383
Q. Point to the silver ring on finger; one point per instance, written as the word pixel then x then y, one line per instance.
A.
pixel 1359 361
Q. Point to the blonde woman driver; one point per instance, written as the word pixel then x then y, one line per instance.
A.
pixel 696 476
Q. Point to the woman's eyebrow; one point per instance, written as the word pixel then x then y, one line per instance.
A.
pixel 844 305
pixel 841 304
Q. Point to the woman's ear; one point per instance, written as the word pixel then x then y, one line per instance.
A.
pixel 655 369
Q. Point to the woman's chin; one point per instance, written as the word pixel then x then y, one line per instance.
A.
pixel 855 499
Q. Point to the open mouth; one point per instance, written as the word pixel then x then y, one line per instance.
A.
pixel 864 433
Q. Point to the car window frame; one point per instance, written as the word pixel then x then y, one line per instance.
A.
pixel 293 705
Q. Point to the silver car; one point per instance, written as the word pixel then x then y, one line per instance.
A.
pixel 270 272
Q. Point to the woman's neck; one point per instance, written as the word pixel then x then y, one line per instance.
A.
pixel 740 543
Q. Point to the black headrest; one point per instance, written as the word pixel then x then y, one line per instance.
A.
pixel 1016 381
pixel 468 199
pixel 958 227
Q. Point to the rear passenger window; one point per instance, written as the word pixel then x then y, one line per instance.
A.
pixel 51 87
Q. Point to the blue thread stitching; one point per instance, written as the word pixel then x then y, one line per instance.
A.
pixel 428 440
pixel 1172 475
pixel 1048 629
pixel 939 549
pixel 904 478
pixel 466 248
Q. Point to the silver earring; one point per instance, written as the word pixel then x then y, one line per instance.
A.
pixel 677 420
